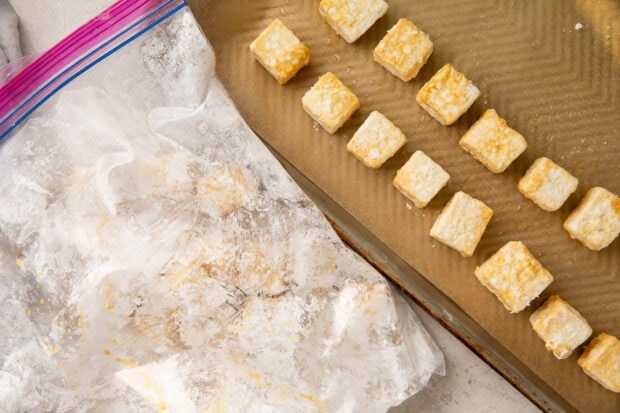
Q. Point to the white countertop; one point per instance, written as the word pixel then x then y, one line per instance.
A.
pixel 470 385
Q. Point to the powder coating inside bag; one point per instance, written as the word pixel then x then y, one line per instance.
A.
pixel 154 254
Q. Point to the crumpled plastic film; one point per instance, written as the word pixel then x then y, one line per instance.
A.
pixel 154 256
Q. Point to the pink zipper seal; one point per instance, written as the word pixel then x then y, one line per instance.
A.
pixel 113 28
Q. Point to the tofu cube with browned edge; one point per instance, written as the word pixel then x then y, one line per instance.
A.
pixel 404 50
pixel 560 326
pixel 596 220
pixel 547 184
pixel 280 51
pixel 352 18
pixel 514 276
pixel 420 179
pixel 461 223
pixel 492 142
pixel 330 102
pixel 601 361
pixel 447 95
pixel 376 141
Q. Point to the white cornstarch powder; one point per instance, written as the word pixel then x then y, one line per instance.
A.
pixel 155 256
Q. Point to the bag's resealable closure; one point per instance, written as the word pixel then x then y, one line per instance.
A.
pixel 117 26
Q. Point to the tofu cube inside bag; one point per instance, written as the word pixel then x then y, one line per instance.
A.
pixel 547 184
pixel 330 102
pixel 376 141
pixel 420 179
pixel 596 220
pixel 447 95
pixel 225 190
pixel 514 276
pixel 280 51
pixel 404 50
pixel 492 142
pixel 352 18
pixel 462 223
pixel 601 361
pixel 560 326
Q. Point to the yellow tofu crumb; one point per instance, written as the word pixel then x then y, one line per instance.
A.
pixel 280 51
pixel 376 141
pixel 352 18
pixel 514 276
pixel 404 50
pixel 596 220
pixel 462 223
pixel 447 95
pixel 547 184
pixel 560 326
pixel 420 179
pixel 330 102
pixel 492 142
pixel 601 361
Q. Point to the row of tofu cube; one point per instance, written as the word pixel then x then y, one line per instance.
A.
pixel 512 273
pixel 516 277
pixel 446 96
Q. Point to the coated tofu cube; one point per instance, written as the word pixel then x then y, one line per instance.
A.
pixel 376 141
pixel 280 51
pixel 351 18
pixel 225 190
pixel 596 220
pixel 404 50
pixel 420 179
pixel 514 276
pixel 547 184
pixel 601 361
pixel 560 326
pixel 447 95
pixel 330 102
pixel 492 142
pixel 462 223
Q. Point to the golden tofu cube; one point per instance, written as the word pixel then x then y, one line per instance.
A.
pixel 420 179
pixel 280 51
pixel 404 50
pixel 547 184
pixel 376 141
pixel 447 95
pixel 351 18
pixel 596 220
pixel 225 190
pixel 514 276
pixel 560 326
pixel 492 142
pixel 462 223
pixel 601 361
pixel 330 102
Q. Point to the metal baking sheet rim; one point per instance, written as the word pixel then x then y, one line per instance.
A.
pixel 380 209
pixel 429 297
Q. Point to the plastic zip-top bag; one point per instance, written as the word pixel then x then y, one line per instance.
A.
pixel 154 256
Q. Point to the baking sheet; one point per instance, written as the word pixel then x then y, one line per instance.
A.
pixel 558 86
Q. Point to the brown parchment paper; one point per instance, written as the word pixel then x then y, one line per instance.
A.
pixel 555 84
